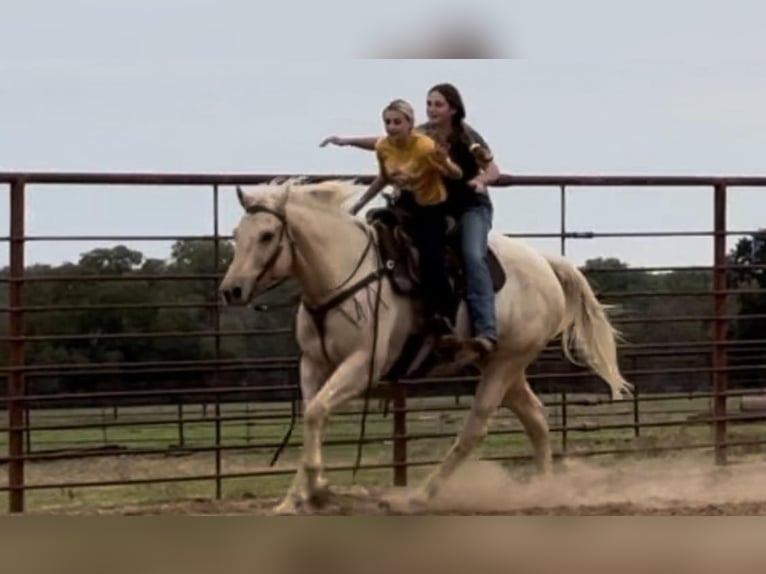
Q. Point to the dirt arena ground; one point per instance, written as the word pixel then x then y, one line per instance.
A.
pixel 648 487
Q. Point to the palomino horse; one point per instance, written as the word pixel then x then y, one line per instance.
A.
pixel 352 325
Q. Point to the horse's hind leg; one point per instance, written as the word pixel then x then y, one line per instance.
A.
pixel 531 412
pixel 490 391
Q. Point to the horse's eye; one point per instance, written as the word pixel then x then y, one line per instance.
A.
pixel 266 236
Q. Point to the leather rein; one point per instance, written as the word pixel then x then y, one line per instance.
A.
pixel 319 312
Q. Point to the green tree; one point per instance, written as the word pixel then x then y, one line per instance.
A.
pixel 651 314
pixel 749 261
pixel 118 259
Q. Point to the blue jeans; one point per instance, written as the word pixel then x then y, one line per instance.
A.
pixel 476 222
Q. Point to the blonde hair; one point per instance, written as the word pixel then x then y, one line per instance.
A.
pixel 403 107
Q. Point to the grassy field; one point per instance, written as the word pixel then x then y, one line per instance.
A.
pixel 154 444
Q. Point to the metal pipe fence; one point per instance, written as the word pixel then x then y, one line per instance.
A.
pixel 85 423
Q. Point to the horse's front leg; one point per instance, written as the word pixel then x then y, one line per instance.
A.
pixel 349 380
pixel 312 375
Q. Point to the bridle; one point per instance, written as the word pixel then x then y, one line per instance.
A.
pixel 319 312
pixel 272 260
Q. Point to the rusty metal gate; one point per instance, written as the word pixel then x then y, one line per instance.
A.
pixel 228 402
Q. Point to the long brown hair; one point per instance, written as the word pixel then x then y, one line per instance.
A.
pixel 455 101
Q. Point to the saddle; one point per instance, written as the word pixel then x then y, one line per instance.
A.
pixel 393 226
pixel 401 257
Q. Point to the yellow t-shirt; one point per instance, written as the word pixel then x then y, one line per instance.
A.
pixel 417 160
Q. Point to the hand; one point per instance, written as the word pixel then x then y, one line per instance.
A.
pixel 399 178
pixel 482 155
pixel 334 140
pixel 478 185
pixel 442 150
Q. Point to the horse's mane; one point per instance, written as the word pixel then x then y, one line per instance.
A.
pixel 331 194
pixel 328 195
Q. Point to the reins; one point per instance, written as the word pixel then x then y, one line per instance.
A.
pixel 319 313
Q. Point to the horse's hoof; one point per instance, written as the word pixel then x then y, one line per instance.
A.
pixel 321 494
pixel 418 502
pixel 404 504
pixel 288 507
pixel 389 506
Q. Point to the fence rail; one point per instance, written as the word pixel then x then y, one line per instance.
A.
pixel 241 409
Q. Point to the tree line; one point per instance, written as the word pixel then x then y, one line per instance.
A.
pixel 125 328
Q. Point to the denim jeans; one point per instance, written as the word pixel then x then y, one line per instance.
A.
pixel 476 222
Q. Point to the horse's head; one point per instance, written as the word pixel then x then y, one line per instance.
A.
pixel 262 248
pixel 264 245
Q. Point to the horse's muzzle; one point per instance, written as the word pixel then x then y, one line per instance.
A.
pixel 232 296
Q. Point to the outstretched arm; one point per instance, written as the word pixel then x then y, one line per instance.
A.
pixel 488 175
pixel 375 188
pixel 486 160
pixel 364 142
pixel 377 185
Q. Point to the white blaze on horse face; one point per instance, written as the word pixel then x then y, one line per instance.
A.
pixel 259 258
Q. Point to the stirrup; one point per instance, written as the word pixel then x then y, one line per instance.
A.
pixel 475 351
pixel 482 346
pixel 440 326
pixel 449 342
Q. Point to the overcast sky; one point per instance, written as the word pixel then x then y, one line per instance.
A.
pixel 591 88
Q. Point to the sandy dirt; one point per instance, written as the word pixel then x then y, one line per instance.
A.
pixel 645 487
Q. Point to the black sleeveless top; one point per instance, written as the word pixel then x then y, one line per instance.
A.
pixel 460 195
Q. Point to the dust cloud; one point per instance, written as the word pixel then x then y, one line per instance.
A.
pixel 449 544
pixel 661 486
pixel 486 487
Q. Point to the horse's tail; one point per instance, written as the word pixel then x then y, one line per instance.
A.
pixel 588 328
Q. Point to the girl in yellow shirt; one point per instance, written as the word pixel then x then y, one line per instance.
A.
pixel 416 164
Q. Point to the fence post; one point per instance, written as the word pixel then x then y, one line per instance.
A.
pixel 720 285
pixel 563 249
pixel 563 213
pixel 16 382
pixel 217 328
pixel 564 424
pixel 180 411
pixel 400 432
pixel 636 414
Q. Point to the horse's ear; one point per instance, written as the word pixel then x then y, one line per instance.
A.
pixel 241 197
pixel 331 192
pixel 284 196
pixel 323 194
